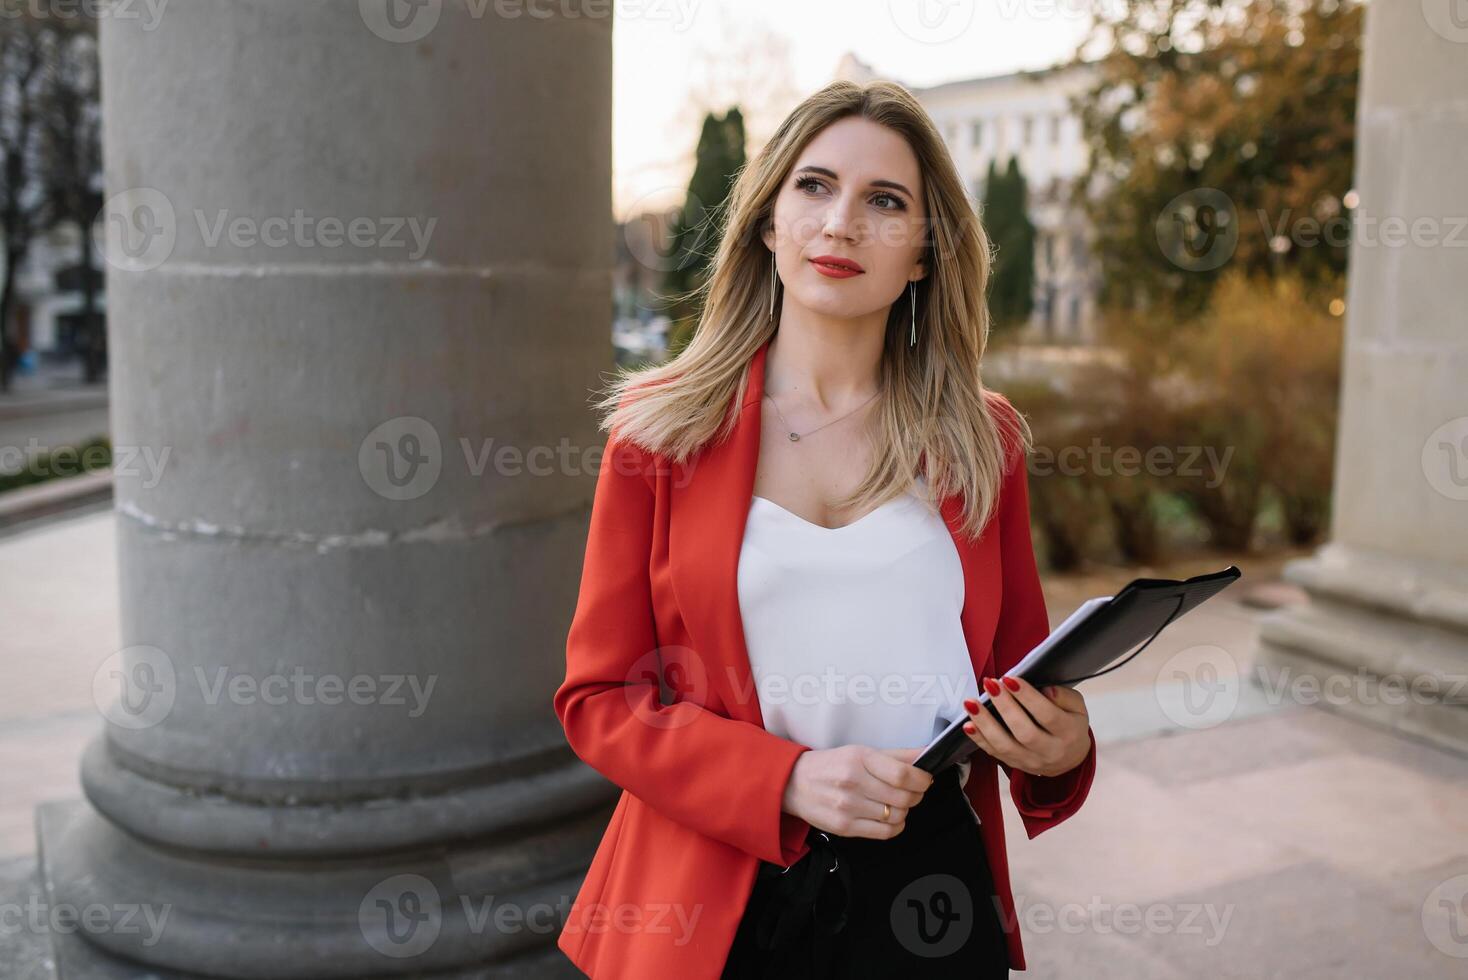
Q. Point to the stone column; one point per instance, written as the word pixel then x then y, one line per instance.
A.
pixel 1386 631
pixel 359 278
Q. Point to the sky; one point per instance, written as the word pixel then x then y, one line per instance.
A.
pixel 674 60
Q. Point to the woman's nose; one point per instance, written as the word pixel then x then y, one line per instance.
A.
pixel 840 222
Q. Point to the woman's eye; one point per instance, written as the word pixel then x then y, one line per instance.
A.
pixel 811 183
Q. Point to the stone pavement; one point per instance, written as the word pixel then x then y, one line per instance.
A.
pixel 1233 830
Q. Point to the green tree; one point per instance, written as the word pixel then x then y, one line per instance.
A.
pixel 1007 220
pixel 696 228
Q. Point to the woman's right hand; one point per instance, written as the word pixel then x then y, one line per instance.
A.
pixel 841 790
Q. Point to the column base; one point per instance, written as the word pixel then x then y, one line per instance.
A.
pixel 1383 639
pixel 147 911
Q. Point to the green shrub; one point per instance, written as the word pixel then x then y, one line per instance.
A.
pixel 60 462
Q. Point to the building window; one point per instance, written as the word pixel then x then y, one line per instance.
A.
pixel 1029 125
pixel 1055 129
pixel 976 132
pixel 1075 316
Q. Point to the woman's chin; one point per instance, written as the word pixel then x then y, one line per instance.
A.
pixel 828 302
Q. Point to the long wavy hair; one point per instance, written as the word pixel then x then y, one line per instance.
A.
pixel 932 406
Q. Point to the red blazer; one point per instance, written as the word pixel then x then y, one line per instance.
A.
pixel 702 779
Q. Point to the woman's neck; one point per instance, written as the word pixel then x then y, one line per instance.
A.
pixel 827 367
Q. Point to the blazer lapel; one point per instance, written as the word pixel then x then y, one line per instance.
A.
pixel 709 504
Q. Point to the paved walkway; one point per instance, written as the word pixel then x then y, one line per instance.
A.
pixel 1229 833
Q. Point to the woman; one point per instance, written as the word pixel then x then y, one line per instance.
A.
pixel 808 544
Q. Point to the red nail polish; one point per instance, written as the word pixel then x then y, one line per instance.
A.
pixel 992 686
pixel 970 705
pixel 1011 683
pixel 969 728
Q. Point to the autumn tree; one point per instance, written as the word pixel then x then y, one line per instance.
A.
pixel 1220 133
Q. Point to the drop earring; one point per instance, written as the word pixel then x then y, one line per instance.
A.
pixel 773 283
pixel 912 295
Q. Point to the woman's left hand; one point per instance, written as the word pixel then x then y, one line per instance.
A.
pixel 1048 733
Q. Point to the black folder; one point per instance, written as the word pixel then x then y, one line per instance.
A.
pixel 1099 632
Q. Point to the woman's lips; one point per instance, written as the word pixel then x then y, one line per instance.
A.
pixel 835 268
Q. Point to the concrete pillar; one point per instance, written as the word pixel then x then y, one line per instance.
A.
pixel 1386 632
pixel 359 278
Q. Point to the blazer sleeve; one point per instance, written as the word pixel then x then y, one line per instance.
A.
pixel 1042 801
pixel 722 777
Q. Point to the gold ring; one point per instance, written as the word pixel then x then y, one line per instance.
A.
pixel 886 812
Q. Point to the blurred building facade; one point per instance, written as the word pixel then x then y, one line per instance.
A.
pixel 639 327
pixel 47 318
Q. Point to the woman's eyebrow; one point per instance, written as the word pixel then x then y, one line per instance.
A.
pixel 876 183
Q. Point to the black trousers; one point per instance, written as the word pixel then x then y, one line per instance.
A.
pixel 922 903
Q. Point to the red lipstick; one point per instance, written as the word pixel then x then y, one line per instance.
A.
pixel 836 267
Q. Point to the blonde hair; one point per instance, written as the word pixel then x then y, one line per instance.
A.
pixel 932 399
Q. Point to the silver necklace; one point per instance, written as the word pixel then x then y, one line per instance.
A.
pixel 796 436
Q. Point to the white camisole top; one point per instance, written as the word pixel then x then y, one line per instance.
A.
pixel 853 632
